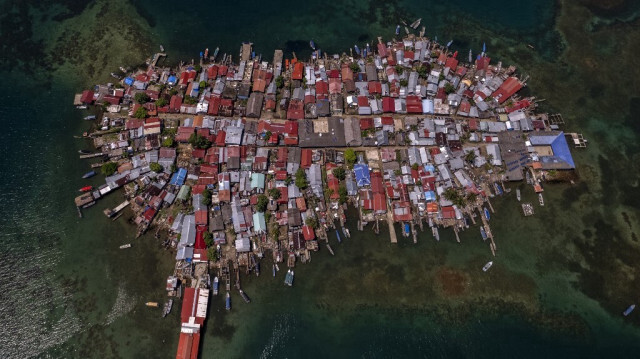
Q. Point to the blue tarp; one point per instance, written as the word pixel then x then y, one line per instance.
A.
pixel 430 196
pixel 128 81
pixel 178 178
pixel 172 80
pixel 362 174
pixel 430 168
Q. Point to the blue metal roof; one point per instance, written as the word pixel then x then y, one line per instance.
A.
pixel 561 154
pixel 362 174
pixel 178 178
pixel 128 81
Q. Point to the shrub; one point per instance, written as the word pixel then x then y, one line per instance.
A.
pixel 155 167
pixel 109 168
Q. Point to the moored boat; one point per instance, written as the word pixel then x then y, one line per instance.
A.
pixel 257 269
pixel 629 310
pixel 518 194
pixel 244 296
pixel 288 279
pixel 398 30
pixel 89 174
pixel 151 304
pixel 487 266
pixel 90 118
pixel 228 301
pixel 356 49
pixel 312 44
pixel 436 235
pixel 125 246
pixel 338 235
pixel 273 269
pixel 216 285
pixel 487 215
pixel 167 308
pixel 483 233
pixel 416 23
pixel 541 199
pixel 85 189
pixel 215 53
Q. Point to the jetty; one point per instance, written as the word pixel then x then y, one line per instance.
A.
pixel 112 212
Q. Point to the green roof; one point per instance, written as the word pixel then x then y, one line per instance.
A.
pixel 259 225
pixel 257 180
pixel 183 194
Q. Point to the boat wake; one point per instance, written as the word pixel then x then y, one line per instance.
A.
pixel 279 336
pixel 123 305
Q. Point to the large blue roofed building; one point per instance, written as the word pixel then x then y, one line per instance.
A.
pixel 362 174
pixel 553 150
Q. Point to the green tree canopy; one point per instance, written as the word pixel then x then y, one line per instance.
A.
pixel 199 141
pixel 399 69
pixel 350 156
pixel 274 193
pixel 448 88
pixel 141 112
pixel 206 197
pixel 142 97
pixel 404 82
pixel 190 100
pixel 161 102
pixel 354 67
pixel 109 168
pixel 339 173
pixel 208 238
pixel 342 191
pixel 311 222
pixel 167 142
pixel 202 84
pixel 155 167
pixel 263 201
pixel 279 82
pixel 301 179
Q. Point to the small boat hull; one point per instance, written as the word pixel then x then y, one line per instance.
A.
pixel 487 266
pixel 629 310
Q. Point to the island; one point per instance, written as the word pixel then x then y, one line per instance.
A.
pixel 236 163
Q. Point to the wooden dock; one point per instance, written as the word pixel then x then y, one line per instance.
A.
pixel 91 155
pixel 392 229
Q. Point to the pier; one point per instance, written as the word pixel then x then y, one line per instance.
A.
pixel 392 228
pixel 112 212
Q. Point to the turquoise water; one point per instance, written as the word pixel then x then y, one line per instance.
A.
pixel 558 285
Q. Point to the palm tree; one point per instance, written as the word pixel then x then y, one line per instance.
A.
pixel 470 156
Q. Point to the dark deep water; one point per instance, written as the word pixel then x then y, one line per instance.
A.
pixel 557 288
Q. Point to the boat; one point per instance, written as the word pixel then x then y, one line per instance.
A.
pixel 356 49
pixel 487 266
pixel 288 280
pixel 449 43
pixel 406 229
pixel 216 285
pixel 416 23
pixel 330 249
pixel 125 246
pixel 81 107
pixel 518 194
pixel 257 269
pixel 116 76
pixel 483 233
pixel 498 188
pixel 434 230
pixel 85 152
pixel 215 53
pixel 541 199
pixel 530 46
pixel 228 301
pixel 90 118
pixel 629 310
pixel 398 30
pixel 161 48
pixel 368 48
pixel 85 189
pixel 89 174
pixel 167 308
pixel 470 56
pixel 312 44
pixel 123 69
pixel 338 235
pixel 346 230
pixel 277 267
pixel 206 52
pixel 273 269
pixel 487 215
pixel 244 296
pixel 151 304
